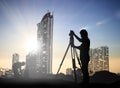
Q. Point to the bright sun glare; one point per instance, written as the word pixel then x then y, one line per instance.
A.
pixel 31 45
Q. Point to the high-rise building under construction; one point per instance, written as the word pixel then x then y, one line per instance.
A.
pixel 45 43
pixel 39 63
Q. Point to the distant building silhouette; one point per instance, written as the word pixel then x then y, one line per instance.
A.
pixel 99 59
pixel 15 58
pixel 31 62
pixel 6 72
pixel 9 73
pixel 69 71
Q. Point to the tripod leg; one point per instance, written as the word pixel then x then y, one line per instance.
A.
pixel 63 58
pixel 79 62
pixel 73 63
pixel 73 60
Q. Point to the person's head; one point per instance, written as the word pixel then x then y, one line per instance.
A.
pixel 22 63
pixel 83 33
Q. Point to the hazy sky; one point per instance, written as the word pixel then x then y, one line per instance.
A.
pixel 19 18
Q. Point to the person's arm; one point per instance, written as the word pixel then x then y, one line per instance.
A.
pixel 77 38
pixel 72 32
pixel 78 47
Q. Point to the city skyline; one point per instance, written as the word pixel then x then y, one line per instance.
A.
pixel 18 27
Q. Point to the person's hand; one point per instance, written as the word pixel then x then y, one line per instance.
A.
pixel 72 32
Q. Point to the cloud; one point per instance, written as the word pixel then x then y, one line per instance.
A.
pixel 84 27
pixel 99 23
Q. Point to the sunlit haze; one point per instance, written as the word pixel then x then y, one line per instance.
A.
pixel 31 45
pixel 19 19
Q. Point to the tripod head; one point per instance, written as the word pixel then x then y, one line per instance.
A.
pixel 71 38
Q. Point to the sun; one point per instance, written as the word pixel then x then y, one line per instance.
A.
pixel 31 45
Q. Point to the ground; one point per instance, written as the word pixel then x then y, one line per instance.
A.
pixel 52 83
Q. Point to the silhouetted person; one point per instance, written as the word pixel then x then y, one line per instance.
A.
pixel 17 69
pixel 84 53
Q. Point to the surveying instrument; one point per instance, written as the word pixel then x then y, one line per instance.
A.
pixel 73 56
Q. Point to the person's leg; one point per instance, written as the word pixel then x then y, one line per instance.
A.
pixel 85 72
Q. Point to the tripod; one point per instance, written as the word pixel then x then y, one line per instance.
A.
pixel 73 55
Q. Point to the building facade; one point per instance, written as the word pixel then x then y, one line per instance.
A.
pixel 99 59
pixel 31 69
pixel 39 64
pixel 45 43
pixel 15 58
